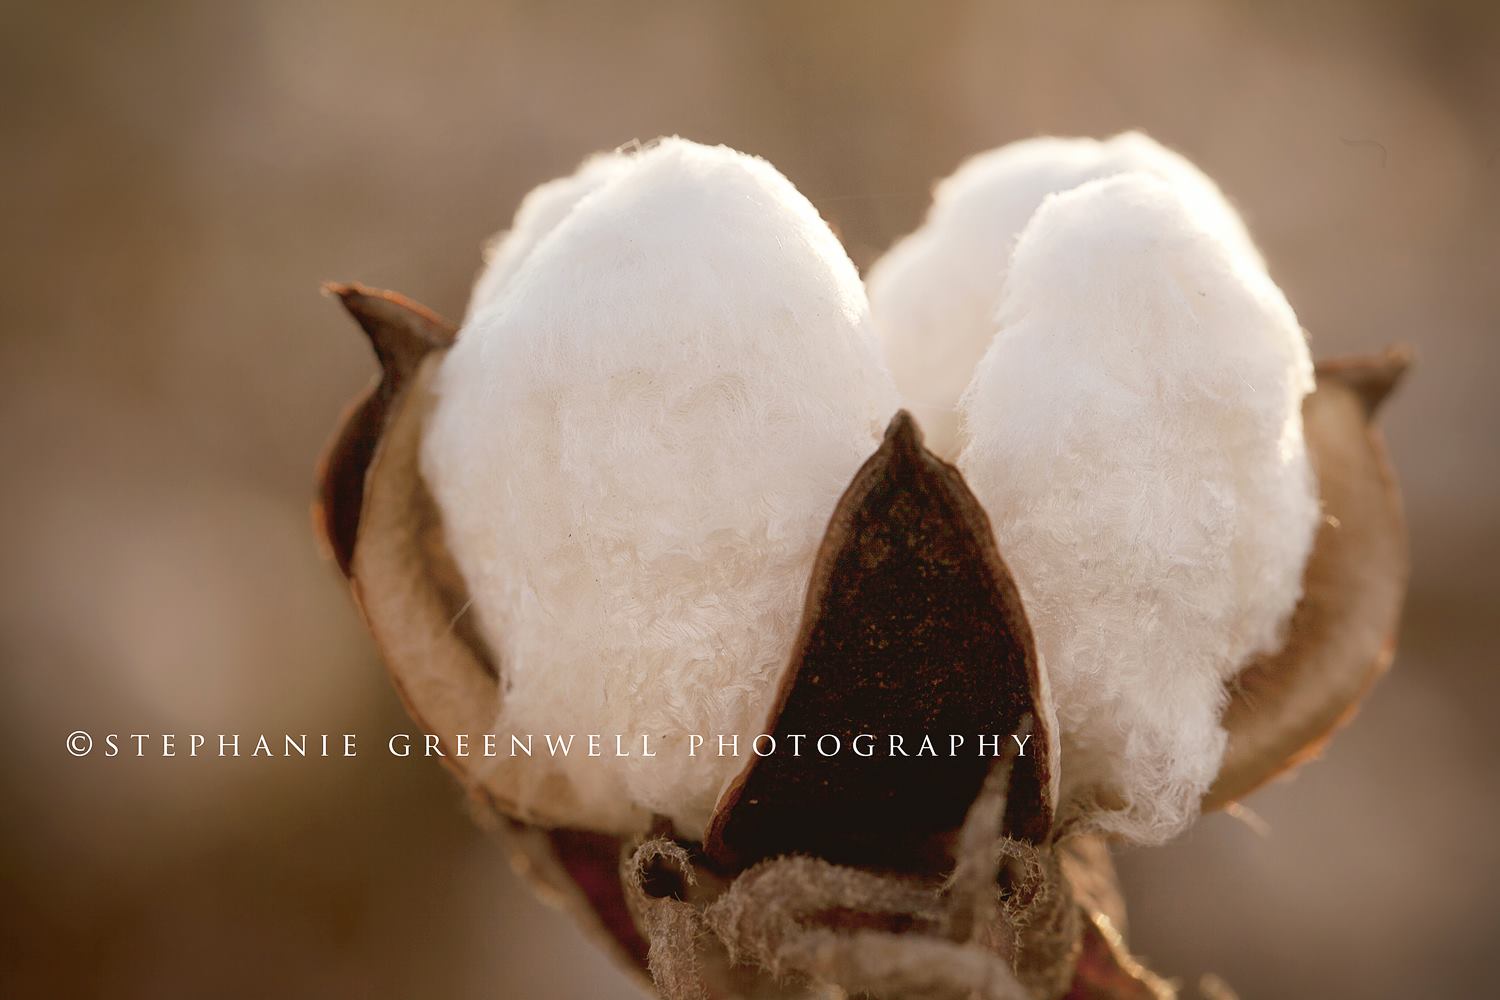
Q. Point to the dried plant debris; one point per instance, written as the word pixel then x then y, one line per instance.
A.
pixel 912 626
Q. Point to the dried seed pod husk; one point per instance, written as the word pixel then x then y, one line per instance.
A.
pixel 381 526
pixel 1285 707
pixel 912 625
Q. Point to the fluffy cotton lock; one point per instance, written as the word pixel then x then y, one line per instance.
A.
pixel 538 214
pixel 933 295
pixel 1135 434
pixel 636 449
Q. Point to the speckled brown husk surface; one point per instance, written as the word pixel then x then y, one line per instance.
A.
pixel 867 878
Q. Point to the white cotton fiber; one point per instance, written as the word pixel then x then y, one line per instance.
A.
pixel 933 295
pixel 1136 437
pixel 636 449
pixel 539 212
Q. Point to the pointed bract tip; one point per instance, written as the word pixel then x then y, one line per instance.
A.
pixel 903 433
pixel 1373 377
pixel 401 331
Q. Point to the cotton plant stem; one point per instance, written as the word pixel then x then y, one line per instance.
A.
pixel 874 934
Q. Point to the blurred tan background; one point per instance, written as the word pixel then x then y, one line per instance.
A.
pixel 179 177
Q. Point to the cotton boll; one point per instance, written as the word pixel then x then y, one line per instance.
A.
pixel 933 295
pixel 636 449
pixel 1136 437
pixel 539 212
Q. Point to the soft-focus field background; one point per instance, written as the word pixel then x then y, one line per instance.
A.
pixel 179 177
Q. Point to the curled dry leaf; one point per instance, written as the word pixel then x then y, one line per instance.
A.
pixel 912 625
pixel 1342 635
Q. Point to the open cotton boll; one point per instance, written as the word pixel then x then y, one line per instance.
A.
pixel 1136 437
pixel 933 295
pixel 539 212
pixel 636 451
